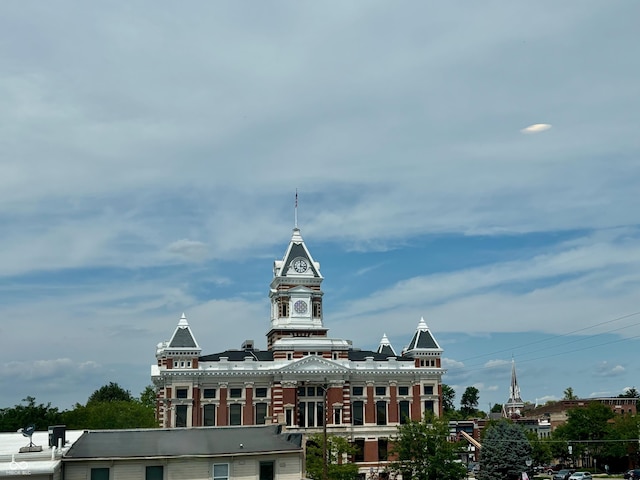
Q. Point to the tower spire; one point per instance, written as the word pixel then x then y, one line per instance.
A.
pixel 295 212
pixel 514 404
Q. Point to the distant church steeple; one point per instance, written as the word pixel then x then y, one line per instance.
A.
pixel 513 407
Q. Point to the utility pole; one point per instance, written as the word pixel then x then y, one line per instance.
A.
pixel 325 465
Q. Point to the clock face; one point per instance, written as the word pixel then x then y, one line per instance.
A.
pixel 300 306
pixel 300 265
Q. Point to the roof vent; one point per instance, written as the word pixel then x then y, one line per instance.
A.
pixel 247 345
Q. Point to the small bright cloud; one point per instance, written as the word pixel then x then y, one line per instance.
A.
pixel 496 363
pixel 605 369
pixel 536 128
pixel 450 363
pixel 189 249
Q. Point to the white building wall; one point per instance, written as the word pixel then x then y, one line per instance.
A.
pixel 127 471
pixel 191 469
pixel 287 467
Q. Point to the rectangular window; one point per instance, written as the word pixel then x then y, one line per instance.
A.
pixel 154 472
pixel 404 391
pixel 288 416
pixel 357 413
pixel 311 414
pixel 357 391
pixel 261 392
pixel 428 406
pixel 220 471
pixel 311 391
pixel 181 415
pixel 302 391
pixel 319 414
pixel 383 449
pixel 428 389
pixel 381 391
pixel 359 455
pixel 267 470
pixel 337 416
pixel 404 412
pixel 182 393
pixel 283 307
pixel 235 414
pixel 302 418
pixel 381 412
pixel 99 474
pixel 261 413
pixel 235 393
pixel 209 393
pixel 209 415
pixel 317 309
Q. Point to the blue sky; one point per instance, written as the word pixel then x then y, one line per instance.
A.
pixel 150 156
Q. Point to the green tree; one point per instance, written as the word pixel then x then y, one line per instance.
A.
pixel 148 397
pixel 29 413
pixel 337 448
pixel 624 427
pixel 568 394
pixel 116 414
pixel 113 407
pixel 448 397
pixel 423 451
pixel 589 426
pixel 630 393
pixel 110 393
pixel 540 449
pixel 505 450
pixel 496 408
pixel 469 401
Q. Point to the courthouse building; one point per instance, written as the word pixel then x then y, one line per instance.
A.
pixel 304 380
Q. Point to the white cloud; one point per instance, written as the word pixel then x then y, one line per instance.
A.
pixel 37 370
pixel 536 128
pixel 500 364
pixel 605 369
pixel 189 249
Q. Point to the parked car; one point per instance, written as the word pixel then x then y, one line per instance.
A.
pixel 580 476
pixel 633 474
pixel 563 474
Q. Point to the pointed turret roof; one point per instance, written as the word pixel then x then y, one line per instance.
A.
pixel 423 339
pixel 182 336
pixel 296 249
pixel 385 347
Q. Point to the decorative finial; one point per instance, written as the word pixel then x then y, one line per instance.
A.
pixel 295 212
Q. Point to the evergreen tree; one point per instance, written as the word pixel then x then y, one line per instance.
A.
pixel 505 450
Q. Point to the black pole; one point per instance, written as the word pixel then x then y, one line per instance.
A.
pixel 325 466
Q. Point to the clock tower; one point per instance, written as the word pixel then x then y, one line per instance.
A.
pixel 295 294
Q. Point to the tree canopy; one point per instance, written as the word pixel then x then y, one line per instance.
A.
pixel 448 397
pixel 423 451
pixel 29 413
pixel 110 393
pixel 337 447
pixel 469 401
